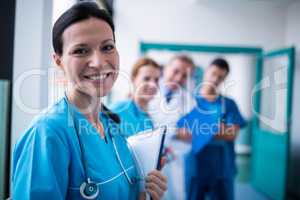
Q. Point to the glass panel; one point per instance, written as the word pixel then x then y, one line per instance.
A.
pixel 4 94
pixel 274 94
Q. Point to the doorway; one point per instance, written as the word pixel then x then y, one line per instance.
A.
pixel 249 66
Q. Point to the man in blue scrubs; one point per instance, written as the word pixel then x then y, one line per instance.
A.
pixel 219 116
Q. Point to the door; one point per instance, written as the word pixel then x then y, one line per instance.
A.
pixel 4 153
pixel 272 101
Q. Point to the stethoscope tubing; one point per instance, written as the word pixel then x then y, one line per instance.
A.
pixel 109 180
pixel 83 160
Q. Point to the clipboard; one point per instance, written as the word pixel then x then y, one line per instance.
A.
pixel 193 121
pixel 147 149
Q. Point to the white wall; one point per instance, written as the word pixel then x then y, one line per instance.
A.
pixel 33 59
pixel 256 23
pixel 60 6
pixel 31 55
pixel 293 38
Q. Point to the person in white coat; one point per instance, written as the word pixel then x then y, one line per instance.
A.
pixel 167 107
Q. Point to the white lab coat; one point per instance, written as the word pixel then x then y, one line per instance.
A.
pixel 163 113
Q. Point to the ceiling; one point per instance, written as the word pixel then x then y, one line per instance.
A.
pixel 273 2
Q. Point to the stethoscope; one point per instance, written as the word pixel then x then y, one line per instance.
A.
pixel 90 189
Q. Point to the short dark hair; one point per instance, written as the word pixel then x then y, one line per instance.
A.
pixel 184 58
pixel 221 63
pixel 78 12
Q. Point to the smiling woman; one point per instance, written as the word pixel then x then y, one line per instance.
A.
pixel 89 57
pixel 76 149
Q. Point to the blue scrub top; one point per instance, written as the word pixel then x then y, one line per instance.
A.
pixel 133 118
pixel 47 159
pixel 217 158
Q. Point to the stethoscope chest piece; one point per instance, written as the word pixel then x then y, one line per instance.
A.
pixel 89 190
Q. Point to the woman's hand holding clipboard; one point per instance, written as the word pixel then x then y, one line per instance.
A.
pixel 148 151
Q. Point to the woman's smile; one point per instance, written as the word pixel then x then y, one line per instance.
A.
pixel 99 78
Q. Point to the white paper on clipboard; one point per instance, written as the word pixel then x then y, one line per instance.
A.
pixel 145 148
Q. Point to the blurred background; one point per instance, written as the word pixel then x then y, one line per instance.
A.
pixel 259 38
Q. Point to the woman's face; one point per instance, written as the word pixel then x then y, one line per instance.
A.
pixel 90 59
pixel 146 82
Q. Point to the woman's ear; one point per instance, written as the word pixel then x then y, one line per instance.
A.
pixel 57 60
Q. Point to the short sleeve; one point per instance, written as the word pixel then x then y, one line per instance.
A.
pixel 181 123
pixel 119 107
pixel 233 116
pixel 40 165
pixel 123 110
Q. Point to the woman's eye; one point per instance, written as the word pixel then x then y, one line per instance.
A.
pixel 108 47
pixel 146 78
pixel 176 72
pixel 80 51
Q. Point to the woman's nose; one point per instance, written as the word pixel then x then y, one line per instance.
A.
pixel 152 83
pixel 97 60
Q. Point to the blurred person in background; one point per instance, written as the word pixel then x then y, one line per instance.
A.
pixel 169 104
pixel 215 162
pixel 133 112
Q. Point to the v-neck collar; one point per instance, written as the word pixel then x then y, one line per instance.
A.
pixel 77 117
pixel 217 100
